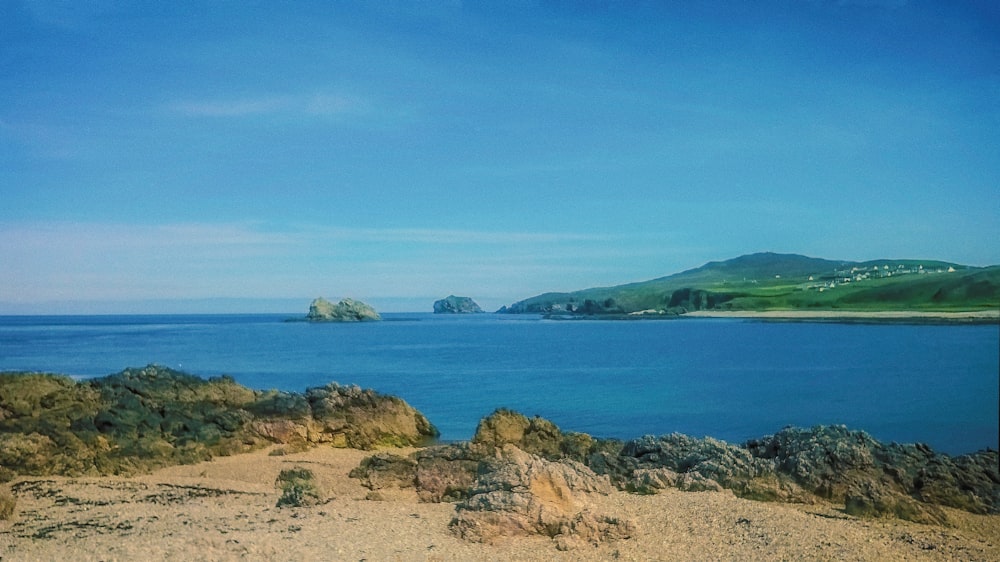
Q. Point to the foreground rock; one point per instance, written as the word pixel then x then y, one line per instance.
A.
pixel 519 494
pixel 503 491
pixel 449 472
pixel 831 463
pixel 824 463
pixel 141 419
pixel 347 310
pixel 456 305
pixel 225 510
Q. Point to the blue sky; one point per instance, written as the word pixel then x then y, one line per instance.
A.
pixel 244 156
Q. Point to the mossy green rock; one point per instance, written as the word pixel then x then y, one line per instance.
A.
pixel 140 419
pixel 830 463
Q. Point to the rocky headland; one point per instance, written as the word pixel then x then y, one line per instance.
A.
pixel 347 310
pixel 456 305
pixel 517 479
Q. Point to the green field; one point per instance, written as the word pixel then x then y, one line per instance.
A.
pixel 762 282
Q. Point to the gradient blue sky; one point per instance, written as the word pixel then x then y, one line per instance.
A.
pixel 245 156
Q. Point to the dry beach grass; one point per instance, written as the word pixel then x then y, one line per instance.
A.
pixel 225 509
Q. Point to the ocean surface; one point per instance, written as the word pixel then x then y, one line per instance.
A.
pixel 729 379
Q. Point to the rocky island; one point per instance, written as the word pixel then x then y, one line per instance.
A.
pixel 347 310
pixel 456 305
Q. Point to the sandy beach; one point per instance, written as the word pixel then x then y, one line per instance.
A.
pixel 980 315
pixel 225 509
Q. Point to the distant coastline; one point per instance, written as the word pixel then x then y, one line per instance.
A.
pixel 977 316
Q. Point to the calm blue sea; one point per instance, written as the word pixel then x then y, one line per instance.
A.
pixel 730 379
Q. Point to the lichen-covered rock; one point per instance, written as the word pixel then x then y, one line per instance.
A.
pixel 804 465
pixel 456 305
pixel 386 470
pixel 441 473
pixel 347 310
pixel 648 464
pixel 519 494
pixel 447 473
pixel 883 479
pixel 146 418
pixel 365 419
pixel 537 436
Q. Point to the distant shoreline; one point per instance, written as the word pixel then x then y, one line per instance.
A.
pixel 977 316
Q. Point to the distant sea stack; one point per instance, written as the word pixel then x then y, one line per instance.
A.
pixel 456 305
pixel 347 310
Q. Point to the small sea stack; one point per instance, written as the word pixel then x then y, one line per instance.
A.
pixel 456 305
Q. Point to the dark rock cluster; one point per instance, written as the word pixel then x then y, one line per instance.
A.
pixel 517 477
pixel 140 419
pixel 829 463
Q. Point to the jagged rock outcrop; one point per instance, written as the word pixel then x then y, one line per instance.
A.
pixel 828 463
pixel 347 310
pixel 441 473
pixel 804 465
pixel 538 436
pixel 146 418
pixel 519 494
pixel 456 305
pixel 447 472
pixel 908 481
pixel 649 464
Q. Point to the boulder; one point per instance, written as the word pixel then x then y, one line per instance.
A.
pixel 804 465
pixel 538 436
pixel 347 310
pixel 448 472
pixel 874 478
pixel 456 305
pixel 348 416
pixel 648 464
pixel 386 470
pixel 519 494
pixel 440 473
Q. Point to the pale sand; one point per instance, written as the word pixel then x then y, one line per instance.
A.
pixel 849 314
pixel 225 510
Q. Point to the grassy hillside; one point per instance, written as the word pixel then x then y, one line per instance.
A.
pixel 769 281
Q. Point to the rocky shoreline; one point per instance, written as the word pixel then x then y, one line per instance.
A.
pixel 518 476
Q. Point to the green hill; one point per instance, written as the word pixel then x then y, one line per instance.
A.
pixel 769 281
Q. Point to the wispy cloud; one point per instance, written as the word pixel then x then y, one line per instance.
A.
pixel 230 108
pixel 447 236
pixel 88 261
